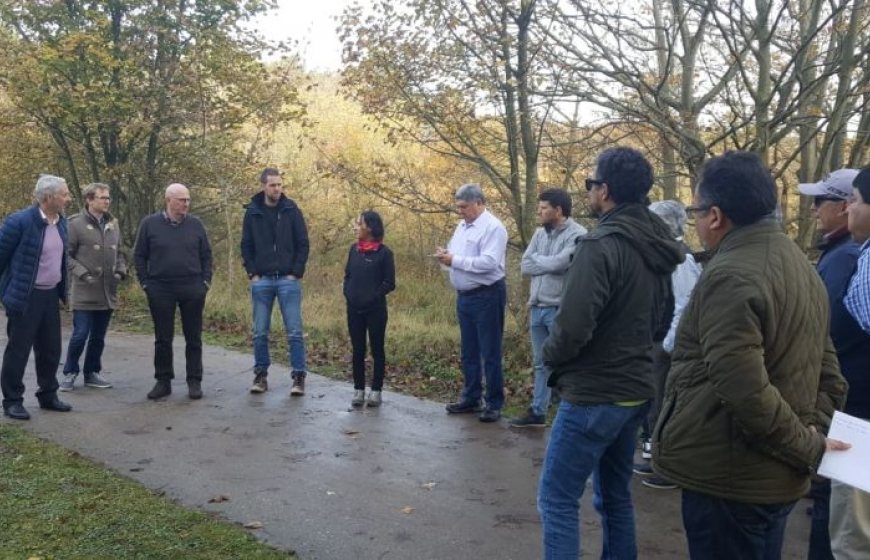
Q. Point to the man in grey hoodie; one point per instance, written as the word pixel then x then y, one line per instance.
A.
pixel 546 260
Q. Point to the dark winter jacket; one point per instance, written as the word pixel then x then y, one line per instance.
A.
pixel 94 259
pixel 752 368
pixel 836 265
pixel 280 248
pixel 614 297
pixel 369 277
pixel 21 238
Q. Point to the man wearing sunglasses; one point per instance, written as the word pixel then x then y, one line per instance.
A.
pixel 839 254
pixel 615 293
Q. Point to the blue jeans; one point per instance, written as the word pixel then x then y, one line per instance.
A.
pixel 88 327
pixel 481 326
pixel 586 440
pixel 540 322
pixel 719 529
pixel 289 294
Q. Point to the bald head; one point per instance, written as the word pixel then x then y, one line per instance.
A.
pixel 177 201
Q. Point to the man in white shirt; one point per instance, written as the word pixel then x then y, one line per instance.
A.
pixel 476 256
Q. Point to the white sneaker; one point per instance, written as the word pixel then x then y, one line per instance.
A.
pixel 646 450
pixel 359 398
pixel 374 399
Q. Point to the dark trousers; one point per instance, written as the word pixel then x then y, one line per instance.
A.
pixel 37 329
pixel 719 529
pixel 163 298
pixel 374 322
pixel 661 366
pixel 88 327
pixel 481 326
pixel 820 536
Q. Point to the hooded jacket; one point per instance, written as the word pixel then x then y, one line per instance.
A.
pixel 753 367
pixel 281 249
pixel 614 297
pixel 94 258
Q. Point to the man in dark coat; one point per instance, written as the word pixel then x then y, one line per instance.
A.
pixel 32 284
pixel 615 294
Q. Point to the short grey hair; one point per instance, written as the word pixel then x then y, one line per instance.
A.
pixel 672 213
pixel 470 192
pixel 46 186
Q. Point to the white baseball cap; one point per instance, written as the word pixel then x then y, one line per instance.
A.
pixel 837 184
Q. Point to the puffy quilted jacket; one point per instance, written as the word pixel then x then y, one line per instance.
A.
pixel 21 237
pixel 753 368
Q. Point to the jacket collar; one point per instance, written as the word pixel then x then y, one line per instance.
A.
pixel 258 202
pixel 745 234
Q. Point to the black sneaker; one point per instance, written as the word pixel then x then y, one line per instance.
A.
pixel 658 483
pixel 643 469
pixel 530 420
pixel 489 415
pixel 464 407
pixel 161 389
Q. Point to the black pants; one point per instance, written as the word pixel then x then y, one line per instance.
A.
pixel 163 298
pixel 39 329
pixel 373 321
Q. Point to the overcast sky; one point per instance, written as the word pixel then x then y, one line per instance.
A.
pixel 312 24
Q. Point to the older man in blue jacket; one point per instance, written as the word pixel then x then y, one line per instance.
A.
pixel 32 284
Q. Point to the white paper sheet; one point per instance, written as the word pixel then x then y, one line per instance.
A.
pixel 852 466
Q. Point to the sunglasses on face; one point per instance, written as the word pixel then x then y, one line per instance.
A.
pixel 592 183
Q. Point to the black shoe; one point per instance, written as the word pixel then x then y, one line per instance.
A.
pixel 658 483
pixel 16 412
pixel 194 389
pixel 54 403
pixel 530 420
pixel 463 407
pixel 489 415
pixel 643 469
pixel 161 389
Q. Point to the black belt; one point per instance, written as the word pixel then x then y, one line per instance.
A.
pixel 479 289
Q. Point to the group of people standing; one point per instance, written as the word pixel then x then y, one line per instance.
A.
pixel 735 371
pixel 44 258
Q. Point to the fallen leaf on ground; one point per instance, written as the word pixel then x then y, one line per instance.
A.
pixel 253 525
pixel 351 432
pixel 330 493
pixel 429 485
pixel 218 499
pixel 407 509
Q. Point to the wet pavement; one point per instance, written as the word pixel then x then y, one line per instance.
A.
pixel 405 481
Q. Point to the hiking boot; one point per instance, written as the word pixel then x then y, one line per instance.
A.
pixel 359 398
pixel 646 450
pixel 530 420
pixel 194 389
pixel 298 388
pixel 489 415
pixel 658 483
pixel 643 469
pixel 68 381
pixel 464 407
pixel 260 384
pixel 374 399
pixel 96 381
pixel 161 389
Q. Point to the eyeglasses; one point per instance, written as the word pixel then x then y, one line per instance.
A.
pixel 592 183
pixel 819 200
pixel 104 198
pixel 693 211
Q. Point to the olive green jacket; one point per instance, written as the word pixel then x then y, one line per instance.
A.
pixel 95 262
pixel 752 369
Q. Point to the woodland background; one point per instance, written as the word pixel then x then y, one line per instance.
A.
pixel 433 93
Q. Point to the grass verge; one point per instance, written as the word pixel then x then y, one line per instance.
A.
pixel 56 504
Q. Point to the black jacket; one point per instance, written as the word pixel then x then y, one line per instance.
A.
pixel 282 249
pixel 172 253
pixel 614 297
pixel 369 277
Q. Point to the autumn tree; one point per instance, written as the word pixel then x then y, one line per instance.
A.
pixel 127 89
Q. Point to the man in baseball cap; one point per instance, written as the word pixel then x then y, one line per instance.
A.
pixel 839 253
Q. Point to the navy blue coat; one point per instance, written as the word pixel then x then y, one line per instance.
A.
pixel 21 238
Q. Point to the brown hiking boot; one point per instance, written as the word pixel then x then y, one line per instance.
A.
pixel 260 384
pixel 298 388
